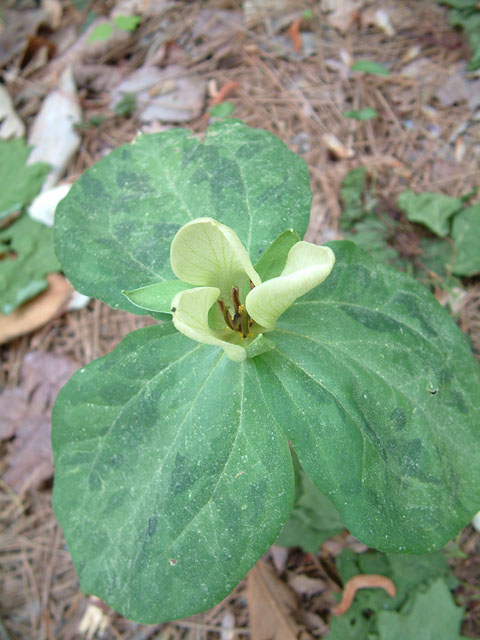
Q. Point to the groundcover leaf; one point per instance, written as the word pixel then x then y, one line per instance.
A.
pixel 26 257
pixel 166 487
pixel 433 614
pixel 113 230
pixel 377 390
pixel 313 519
pixel 431 209
pixel 466 236
pixel 19 183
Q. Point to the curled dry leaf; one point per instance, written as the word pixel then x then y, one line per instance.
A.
pixel 363 581
pixel 38 311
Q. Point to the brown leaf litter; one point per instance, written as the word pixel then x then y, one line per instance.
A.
pixel 26 417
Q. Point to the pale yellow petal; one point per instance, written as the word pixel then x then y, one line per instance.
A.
pixel 307 266
pixel 207 253
pixel 190 310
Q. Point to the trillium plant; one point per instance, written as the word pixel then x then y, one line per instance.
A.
pixel 173 453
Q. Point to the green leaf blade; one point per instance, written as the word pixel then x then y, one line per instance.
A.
pixel 379 398
pixel 114 229
pixel 155 445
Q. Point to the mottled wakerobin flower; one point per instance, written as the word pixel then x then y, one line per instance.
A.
pixel 229 305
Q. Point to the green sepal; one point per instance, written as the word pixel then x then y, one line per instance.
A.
pixel 157 297
pixel 271 263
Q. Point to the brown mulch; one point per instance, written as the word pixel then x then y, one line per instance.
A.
pixel 414 145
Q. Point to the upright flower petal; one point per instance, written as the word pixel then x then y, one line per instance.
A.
pixel 307 266
pixel 190 310
pixel 206 252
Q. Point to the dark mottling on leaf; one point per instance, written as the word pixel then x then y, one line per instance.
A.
pixel 94 481
pixel 152 525
pixel 126 154
pixel 134 181
pixel 371 319
pixel 410 304
pixel 398 418
pixel 182 476
pixel 457 401
pixel 93 187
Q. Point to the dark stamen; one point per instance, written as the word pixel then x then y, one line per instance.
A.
pixel 226 315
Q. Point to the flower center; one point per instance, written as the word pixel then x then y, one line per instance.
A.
pixel 238 320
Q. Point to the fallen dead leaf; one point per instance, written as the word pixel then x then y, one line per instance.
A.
pixel 343 13
pixel 377 18
pixel 172 94
pixel 271 604
pixel 11 125
pixel 363 581
pixel 53 136
pixel 336 148
pixel 256 11
pixel 26 412
pixel 306 586
pixel 38 311
pixel 18 25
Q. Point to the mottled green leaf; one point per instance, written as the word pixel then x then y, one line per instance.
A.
pixel 432 614
pixel 171 477
pixel 370 66
pixel 19 183
pixel 433 210
pixel 113 230
pixel 26 257
pixel 466 236
pixel 361 114
pixel 377 390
